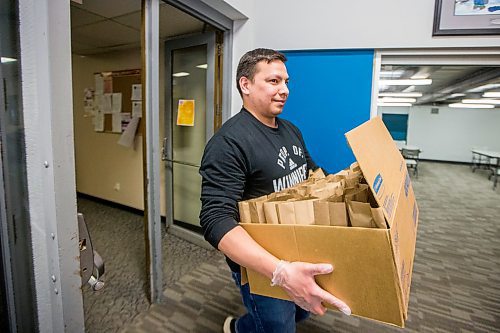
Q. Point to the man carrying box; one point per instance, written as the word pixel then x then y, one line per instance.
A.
pixel 256 153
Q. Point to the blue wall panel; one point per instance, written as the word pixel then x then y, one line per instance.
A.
pixel 330 94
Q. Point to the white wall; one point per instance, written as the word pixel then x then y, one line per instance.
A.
pixel 326 24
pixel 452 133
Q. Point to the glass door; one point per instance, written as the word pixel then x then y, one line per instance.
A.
pixel 189 122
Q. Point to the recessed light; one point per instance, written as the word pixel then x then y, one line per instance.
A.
pixel 406 82
pixel 471 106
pixel 401 94
pixel 481 101
pixel 492 94
pixel 394 104
pixel 203 66
pixel 397 100
pixel 5 60
pixel 180 74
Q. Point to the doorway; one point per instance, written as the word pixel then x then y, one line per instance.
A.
pixel 112 173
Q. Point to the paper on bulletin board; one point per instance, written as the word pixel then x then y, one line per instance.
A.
pixel 99 84
pixel 185 112
pixel 128 135
pixel 107 103
pixel 99 121
pixel 116 124
pixel 136 109
pixel 136 92
pixel 116 105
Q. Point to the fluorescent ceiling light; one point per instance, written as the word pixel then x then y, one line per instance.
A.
pixel 401 94
pixel 406 82
pixel 471 106
pixel 397 100
pixel 7 59
pixel 180 74
pixel 481 101
pixel 420 76
pixel 203 66
pixel 485 87
pixel 457 95
pixel 391 73
pixel 393 104
pixel 492 94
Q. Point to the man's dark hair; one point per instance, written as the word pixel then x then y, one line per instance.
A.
pixel 248 63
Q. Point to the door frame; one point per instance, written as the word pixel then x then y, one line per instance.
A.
pixel 220 19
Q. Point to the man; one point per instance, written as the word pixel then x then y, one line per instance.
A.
pixel 249 157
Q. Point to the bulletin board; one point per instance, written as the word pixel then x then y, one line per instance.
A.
pixel 121 82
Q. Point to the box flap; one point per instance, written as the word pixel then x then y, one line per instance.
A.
pixel 380 161
pixel 403 238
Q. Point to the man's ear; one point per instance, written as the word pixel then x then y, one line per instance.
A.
pixel 244 85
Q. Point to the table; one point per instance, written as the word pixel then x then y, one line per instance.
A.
pixel 487 159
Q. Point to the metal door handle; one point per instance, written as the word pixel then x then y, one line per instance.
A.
pixel 165 158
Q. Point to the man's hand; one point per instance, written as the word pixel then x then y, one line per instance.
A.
pixel 297 279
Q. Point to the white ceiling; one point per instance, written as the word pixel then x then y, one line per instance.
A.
pixel 101 26
pixel 446 81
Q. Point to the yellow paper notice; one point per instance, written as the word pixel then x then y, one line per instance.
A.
pixel 185 112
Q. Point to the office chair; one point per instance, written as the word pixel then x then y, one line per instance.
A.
pixel 91 263
pixel 411 157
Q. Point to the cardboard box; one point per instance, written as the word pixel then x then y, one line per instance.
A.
pixel 373 266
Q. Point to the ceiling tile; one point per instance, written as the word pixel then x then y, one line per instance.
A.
pixel 131 20
pixel 110 8
pixel 106 33
pixel 81 17
pixel 174 22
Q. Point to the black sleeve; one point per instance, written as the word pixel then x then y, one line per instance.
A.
pixel 223 170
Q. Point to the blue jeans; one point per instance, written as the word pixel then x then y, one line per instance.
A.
pixel 266 314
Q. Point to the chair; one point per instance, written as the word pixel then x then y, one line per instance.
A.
pixel 91 263
pixel 411 157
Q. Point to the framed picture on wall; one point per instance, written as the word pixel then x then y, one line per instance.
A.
pixel 466 17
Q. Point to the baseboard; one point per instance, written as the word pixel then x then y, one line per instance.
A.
pixel 110 203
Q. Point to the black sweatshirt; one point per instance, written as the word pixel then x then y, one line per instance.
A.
pixel 246 159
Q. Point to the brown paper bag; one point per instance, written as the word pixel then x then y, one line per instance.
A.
pixel 331 211
pixel 270 209
pixel 338 214
pixel 363 215
pixel 321 212
pixel 286 212
pixel 316 174
pixel 304 211
pixel 358 193
pixel 257 209
pixel 244 209
pixel 378 217
pixel 329 189
pixel 360 214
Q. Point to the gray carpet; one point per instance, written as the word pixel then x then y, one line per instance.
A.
pixel 455 286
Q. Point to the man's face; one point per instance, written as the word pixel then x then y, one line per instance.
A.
pixel 266 94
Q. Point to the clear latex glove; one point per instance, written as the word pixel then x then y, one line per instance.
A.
pixel 297 279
